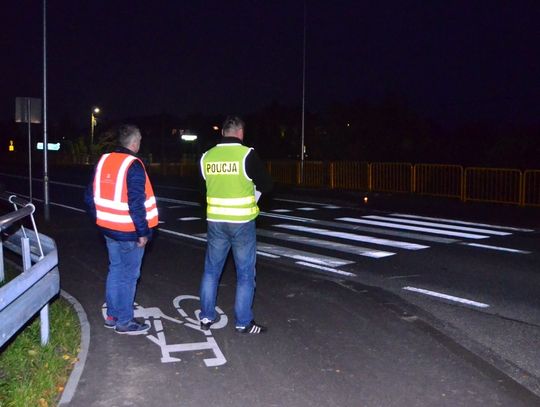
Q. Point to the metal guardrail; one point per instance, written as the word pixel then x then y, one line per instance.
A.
pixel 31 291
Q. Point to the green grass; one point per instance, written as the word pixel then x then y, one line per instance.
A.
pixel 32 375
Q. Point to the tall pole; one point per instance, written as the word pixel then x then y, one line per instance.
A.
pixel 303 98
pixel 45 140
pixel 29 118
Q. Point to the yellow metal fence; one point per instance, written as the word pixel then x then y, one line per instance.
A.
pixel 500 185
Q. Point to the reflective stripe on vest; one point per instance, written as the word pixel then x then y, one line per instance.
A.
pixel 110 194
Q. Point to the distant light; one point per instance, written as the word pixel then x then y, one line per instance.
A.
pixel 365 199
pixel 11 147
pixel 216 128
pixel 189 137
pixel 50 146
pixel 96 110
pixel 348 124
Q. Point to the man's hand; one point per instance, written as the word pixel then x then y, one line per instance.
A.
pixel 142 241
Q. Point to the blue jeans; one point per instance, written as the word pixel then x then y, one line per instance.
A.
pixel 125 260
pixel 221 237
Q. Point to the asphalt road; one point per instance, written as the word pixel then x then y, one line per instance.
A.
pixel 392 302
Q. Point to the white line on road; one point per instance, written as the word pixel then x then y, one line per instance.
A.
pixel 438 225
pixel 281 210
pixel 188 218
pixel 326 244
pixel 172 232
pixel 300 202
pixel 177 201
pixel 503 249
pixel 415 228
pixel 447 297
pixel 332 270
pixel 302 255
pixel 355 237
pixel 403 215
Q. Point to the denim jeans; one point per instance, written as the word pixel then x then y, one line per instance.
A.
pixel 222 236
pixel 125 260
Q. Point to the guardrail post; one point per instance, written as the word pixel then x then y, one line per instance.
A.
pixel 44 324
pixel 413 178
pixel 521 188
pixel 332 181
pixel 25 245
pixel 464 185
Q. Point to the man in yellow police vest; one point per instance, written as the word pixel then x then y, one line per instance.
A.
pixel 235 178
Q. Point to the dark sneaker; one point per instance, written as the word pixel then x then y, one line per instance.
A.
pixel 206 323
pixel 110 322
pixel 253 328
pixel 132 328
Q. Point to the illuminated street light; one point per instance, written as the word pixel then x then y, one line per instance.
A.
pixel 189 137
pixel 95 111
pixel 216 128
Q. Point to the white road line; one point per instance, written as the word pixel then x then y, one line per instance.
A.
pixel 173 232
pixel 447 297
pixel 302 255
pixel 415 228
pixel 187 218
pixel 287 217
pixel 332 207
pixel 331 270
pixel 503 249
pixel 300 202
pixel 460 222
pixel 355 237
pixel 272 256
pixel 306 209
pixel 439 225
pixel 176 206
pixel 380 231
pixel 325 244
pixel 281 210
pixel 177 201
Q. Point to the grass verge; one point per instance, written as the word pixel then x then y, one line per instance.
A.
pixel 35 375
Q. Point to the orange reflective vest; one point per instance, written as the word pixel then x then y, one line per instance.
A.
pixel 110 194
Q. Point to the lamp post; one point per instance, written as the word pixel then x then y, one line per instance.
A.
pixel 95 111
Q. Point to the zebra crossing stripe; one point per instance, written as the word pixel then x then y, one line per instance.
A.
pixel 380 231
pixel 331 270
pixel 415 228
pixel 355 237
pixel 460 222
pixel 302 255
pixel 441 225
pixel 325 244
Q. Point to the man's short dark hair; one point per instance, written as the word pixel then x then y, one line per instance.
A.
pixel 233 123
pixel 126 134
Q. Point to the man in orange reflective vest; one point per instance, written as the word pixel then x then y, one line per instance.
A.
pixel 122 201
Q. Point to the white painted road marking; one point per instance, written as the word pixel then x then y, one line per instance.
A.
pixel 331 270
pixel 326 244
pixel 460 222
pixel 447 297
pixel 187 218
pixel 415 228
pixel 380 231
pixel 355 237
pixel 440 225
pixel 302 255
pixel 503 249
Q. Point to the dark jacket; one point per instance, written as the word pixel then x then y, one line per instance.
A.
pixel 136 179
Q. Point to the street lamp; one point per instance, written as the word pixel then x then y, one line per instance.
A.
pixel 95 111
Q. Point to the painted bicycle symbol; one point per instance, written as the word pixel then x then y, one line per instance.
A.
pixel 155 317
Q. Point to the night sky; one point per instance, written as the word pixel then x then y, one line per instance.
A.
pixel 452 61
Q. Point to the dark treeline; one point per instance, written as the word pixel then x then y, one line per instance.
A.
pixel 385 132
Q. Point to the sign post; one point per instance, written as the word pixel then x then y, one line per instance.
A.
pixel 28 110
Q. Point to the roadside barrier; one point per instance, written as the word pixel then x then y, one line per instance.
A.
pixel 499 185
pixel 31 291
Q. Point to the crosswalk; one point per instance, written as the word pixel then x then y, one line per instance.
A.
pixel 333 246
